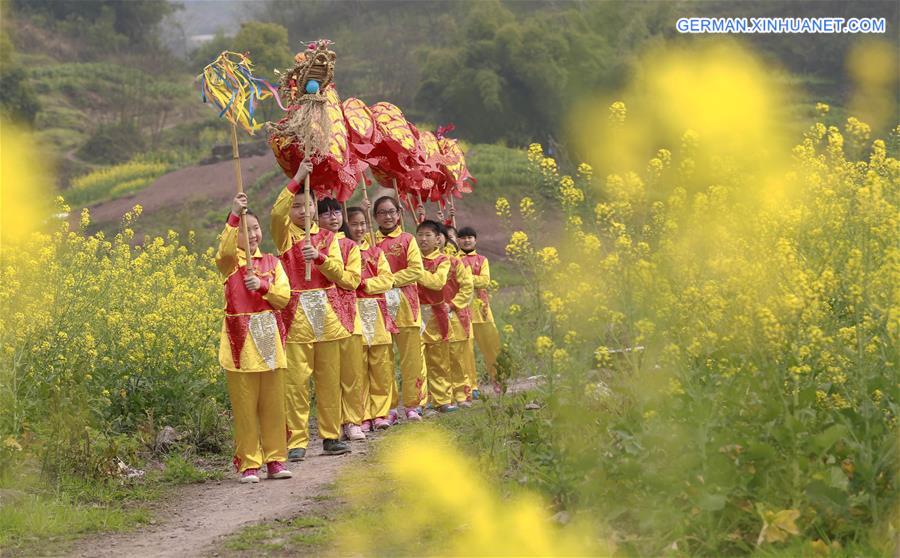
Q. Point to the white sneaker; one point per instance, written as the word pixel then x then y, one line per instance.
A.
pixel 250 476
pixel 354 432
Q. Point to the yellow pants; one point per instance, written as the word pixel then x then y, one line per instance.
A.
pixel 322 361
pixel 353 398
pixel 459 370
pixel 257 403
pixel 412 368
pixel 440 384
pixel 378 380
pixel 488 340
pixel 471 369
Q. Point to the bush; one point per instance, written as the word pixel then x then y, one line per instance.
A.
pixel 718 359
pixel 113 143
pixel 97 336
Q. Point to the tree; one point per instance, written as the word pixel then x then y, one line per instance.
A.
pixel 18 100
pixel 135 19
pixel 267 44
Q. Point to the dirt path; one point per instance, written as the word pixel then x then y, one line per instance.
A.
pixel 202 515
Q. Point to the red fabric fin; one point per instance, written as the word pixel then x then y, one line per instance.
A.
pixel 412 296
pixel 344 305
pixel 388 320
pixel 288 313
pixel 237 328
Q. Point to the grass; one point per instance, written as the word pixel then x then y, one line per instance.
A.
pixel 298 536
pixel 498 169
pixel 34 512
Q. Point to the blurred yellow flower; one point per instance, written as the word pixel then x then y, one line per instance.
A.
pixel 543 344
pixel 501 207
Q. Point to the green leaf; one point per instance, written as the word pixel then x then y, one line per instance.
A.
pixel 824 441
pixel 711 502
pixel 759 452
pixel 823 494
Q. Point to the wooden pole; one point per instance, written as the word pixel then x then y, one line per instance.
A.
pixel 235 155
pixel 399 205
pixel 452 212
pixel 307 224
pixel 368 214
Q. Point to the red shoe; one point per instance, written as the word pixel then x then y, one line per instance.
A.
pixel 393 417
pixel 250 476
pixel 367 426
pixel 413 415
pixel 277 470
pixel 382 423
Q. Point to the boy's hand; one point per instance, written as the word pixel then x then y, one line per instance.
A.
pixel 239 204
pixel 309 252
pixel 366 205
pixel 303 170
pixel 251 282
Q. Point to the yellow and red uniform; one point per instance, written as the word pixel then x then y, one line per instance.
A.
pixel 352 400
pixel 405 259
pixel 316 319
pixel 485 331
pixel 251 351
pixel 458 295
pixel 376 327
pixel 436 326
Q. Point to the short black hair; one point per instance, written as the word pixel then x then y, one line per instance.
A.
pixel 467 231
pixel 451 228
pixel 354 210
pixel 383 199
pixel 327 204
pixel 433 226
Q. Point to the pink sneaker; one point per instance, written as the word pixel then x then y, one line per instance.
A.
pixel 354 432
pixel 250 476
pixel 413 415
pixel 393 417
pixel 367 426
pixel 277 470
pixel 382 423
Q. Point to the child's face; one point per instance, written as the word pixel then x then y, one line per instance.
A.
pixel 427 239
pixel 254 233
pixel 299 210
pixel 357 226
pixel 442 242
pixel 452 235
pixel 331 220
pixel 467 243
pixel 387 216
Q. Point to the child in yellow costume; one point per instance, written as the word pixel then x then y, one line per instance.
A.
pixel 486 336
pixel 331 218
pixel 252 346
pixel 405 259
pixel 376 325
pixel 317 318
pixel 435 315
pixel 458 295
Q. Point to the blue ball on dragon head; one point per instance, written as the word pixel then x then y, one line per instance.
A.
pixel 312 87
